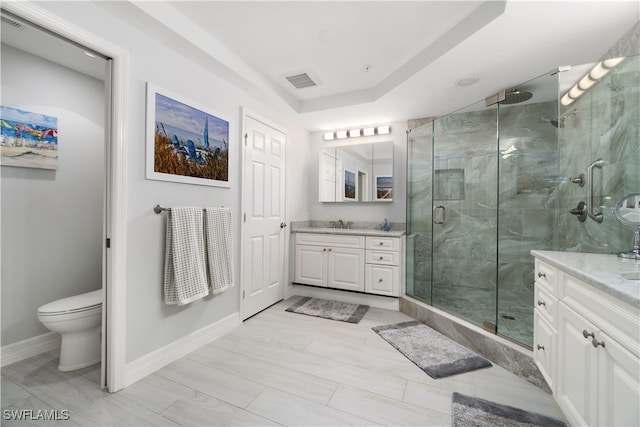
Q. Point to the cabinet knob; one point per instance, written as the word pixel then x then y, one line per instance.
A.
pixel 329 249
pixel 540 347
pixel 597 343
pixel 541 274
pixel 380 281
pixel 588 334
pixel 540 302
pixel 381 257
pixel 324 250
pixel 381 243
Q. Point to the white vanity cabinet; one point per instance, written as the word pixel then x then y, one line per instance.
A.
pixel 329 260
pixel 586 344
pixel 382 269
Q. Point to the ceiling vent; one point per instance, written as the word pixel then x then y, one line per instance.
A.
pixel 300 81
pixel 11 22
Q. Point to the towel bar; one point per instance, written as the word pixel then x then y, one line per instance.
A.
pixel 157 209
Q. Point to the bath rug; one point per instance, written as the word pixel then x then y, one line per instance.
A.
pixel 334 310
pixel 467 411
pixel 431 351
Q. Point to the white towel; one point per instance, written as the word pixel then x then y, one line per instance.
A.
pixel 219 248
pixel 185 274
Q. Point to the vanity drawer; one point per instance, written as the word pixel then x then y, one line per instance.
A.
pixel 382 257
pixel 619 319
pixel 332 240
pixel 547 277
pixel 545 303
pixel 383 243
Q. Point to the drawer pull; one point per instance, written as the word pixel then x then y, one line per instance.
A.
pixel 541 274
pixel 381 257
pixel 597 343
pixel 381 243
pixel 540 347
pixel 588 334
pixel 540 302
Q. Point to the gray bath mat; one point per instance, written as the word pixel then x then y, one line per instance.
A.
pixel 431 351
pixel 467 411
pixel 334 310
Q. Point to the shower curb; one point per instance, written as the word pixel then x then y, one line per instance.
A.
pixel 512 357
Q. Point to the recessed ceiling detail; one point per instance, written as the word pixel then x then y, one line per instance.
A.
pixel 301 81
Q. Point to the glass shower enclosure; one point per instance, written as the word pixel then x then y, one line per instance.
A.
pixel 494 180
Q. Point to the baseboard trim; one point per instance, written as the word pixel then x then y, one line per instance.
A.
pixel 30 347
pixel 161 357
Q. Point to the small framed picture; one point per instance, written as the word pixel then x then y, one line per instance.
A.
pixel 350 190
pixel 186 142
pixel 384 188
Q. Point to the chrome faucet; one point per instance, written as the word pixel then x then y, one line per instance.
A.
pixel 340 223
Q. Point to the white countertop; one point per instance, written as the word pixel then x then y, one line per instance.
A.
pixel 601 271
pixel 359 232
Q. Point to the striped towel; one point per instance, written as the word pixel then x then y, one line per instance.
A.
pixel 185 274
pixel 219 248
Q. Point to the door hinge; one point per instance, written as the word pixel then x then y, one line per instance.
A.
pixel 246 136
pixel 108 243
pixel 242 294
pixel 245 217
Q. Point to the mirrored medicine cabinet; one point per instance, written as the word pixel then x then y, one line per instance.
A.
pixel 356 172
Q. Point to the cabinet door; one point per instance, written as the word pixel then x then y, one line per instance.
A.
pixel 311 265
pixel 544 352
pixel 382 280
pixel 346 269
pixel 619 384
pixel 577 368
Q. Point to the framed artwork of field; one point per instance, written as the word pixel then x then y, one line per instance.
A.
pixel 28 139
pixel 186 142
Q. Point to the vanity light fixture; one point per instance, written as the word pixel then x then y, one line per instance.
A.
pixel 599 71
pixel 368 131
pixel 357 132
pixel 341 134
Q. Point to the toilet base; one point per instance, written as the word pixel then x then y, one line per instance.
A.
pixel 80 349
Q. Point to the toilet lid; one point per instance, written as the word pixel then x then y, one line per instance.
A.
pixel 75 303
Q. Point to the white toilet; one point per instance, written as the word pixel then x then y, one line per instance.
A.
pixel 78 319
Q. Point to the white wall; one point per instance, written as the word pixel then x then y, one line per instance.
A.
pixel 362 212
pixel 51 220
pixel 150 323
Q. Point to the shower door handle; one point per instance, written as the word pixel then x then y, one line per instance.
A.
pixel 435 215
pixel 597 217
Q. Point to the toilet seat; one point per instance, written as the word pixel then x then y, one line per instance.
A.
pixel 75 304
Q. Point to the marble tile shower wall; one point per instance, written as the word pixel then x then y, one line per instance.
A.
pixel 605 126
pixel 465 246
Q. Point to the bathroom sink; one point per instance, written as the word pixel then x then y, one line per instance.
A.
pixel 631 275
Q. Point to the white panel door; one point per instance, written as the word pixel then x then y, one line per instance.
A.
pixel 264 217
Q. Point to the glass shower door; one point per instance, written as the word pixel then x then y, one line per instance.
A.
pixel 419 201
pixel 464 214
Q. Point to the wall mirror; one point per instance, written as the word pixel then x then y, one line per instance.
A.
pixel 356 172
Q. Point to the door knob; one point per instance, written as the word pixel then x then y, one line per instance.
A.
pixel 283 225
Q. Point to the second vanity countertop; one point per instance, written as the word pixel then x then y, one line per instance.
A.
pixel 604 272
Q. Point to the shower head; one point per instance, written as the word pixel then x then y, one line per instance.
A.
pixel 515 96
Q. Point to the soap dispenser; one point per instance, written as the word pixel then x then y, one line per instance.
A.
pixel 386 226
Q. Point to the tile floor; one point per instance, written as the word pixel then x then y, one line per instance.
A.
pixel 277 368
